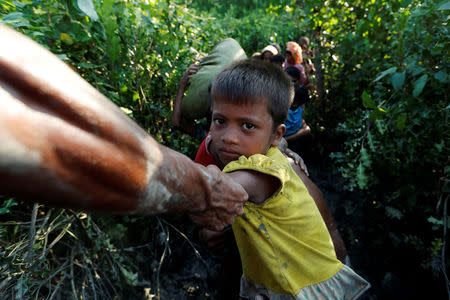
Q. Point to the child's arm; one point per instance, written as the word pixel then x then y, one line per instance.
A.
pixel 259 186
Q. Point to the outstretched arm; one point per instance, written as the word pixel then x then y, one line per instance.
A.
pixel 64 143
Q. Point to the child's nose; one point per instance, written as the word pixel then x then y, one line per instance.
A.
pixel 230 136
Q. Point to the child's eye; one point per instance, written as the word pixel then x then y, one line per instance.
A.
pixel 248 126
pixel 219 121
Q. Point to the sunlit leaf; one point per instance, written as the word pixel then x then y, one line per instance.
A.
pixel 66 38
pixel 87 6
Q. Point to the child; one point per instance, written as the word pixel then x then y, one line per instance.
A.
pixel 296 126
pixel 284 245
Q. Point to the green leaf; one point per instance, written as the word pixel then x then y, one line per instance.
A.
pixel 417 70
pixel 367 100
pixel 445 6
pixel 365 158
pixel 386 72
pixel 401 122
pixel 86 65
pixel 88 8
pixel 361 177
pixel 440 222
pixel 135 96
pixel 441 76
pixel 419 84
pixel 397 80
pixel 393 213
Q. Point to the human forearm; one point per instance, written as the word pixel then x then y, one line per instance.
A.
pixel 176 114
pixel 304 130
pixel 177 117
pixel 65 143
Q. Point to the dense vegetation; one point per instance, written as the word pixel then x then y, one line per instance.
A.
pixel 379 120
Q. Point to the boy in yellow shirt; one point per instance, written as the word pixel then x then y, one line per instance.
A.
pixel 285 248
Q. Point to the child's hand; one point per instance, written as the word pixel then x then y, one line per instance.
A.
pixel 298 160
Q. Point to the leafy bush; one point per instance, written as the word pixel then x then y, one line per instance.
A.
pixel 384 123
pixel 380 129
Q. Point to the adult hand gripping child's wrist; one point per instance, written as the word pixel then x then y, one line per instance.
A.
pixel 224 203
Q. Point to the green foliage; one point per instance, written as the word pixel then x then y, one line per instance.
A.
pixel 7 204
pixel 386 72
pixel 383 125
pixel 134 52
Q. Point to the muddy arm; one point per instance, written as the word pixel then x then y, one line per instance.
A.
pixel 64 143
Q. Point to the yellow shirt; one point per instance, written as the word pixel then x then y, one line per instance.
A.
pixel 284 243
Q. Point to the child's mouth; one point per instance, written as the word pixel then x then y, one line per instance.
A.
pixel 229 155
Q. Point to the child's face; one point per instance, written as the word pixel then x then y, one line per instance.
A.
pixel 242 129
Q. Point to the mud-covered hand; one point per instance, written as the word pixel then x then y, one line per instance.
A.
pixel 225 202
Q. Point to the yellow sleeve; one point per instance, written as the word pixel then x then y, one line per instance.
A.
pixel 261 163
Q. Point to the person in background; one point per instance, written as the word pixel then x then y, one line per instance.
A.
pixel 197 130
pixel 276 45
pixel 294 74
pixel 307 56
pixel 306 52
pixel 256 55
pixel 268 52
pixel 277 60
pixel 294 59
pixel 296 126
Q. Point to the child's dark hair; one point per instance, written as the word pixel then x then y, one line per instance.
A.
pixel 277 59
pixel 250 80
pixel 301 94
pixel 293 72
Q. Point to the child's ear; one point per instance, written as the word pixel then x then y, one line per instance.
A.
pixel 278 135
